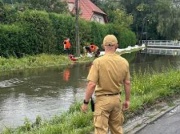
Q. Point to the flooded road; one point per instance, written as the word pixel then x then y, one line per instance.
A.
pixel 43 93
pixel 49 92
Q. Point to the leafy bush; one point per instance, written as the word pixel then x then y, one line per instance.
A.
pixel 31 32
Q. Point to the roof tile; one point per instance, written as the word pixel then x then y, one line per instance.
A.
pixel 87 8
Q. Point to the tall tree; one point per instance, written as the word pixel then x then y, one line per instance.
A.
pixel 168 19
pixel 154 18
pixel 116 14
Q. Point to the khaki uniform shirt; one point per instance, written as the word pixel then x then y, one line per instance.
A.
pixel 109 72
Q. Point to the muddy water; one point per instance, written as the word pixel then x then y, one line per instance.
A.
pixel 49 92
pixel 43 92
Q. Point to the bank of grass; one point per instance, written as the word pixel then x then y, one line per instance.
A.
pixel 147 89
pixel 150 88
pixel 33 62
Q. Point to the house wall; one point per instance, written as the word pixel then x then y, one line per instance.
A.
pixel 98 18
pixel 71 6
pixel 95 17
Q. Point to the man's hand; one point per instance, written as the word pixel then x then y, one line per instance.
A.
pixel 126 105
pixel 84 108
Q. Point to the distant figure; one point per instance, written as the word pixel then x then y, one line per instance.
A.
pixel 92 49
pixel 67 45
pixel 71 57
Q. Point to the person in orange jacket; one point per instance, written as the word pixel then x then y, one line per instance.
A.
pixel 67 45
pixel 92 48
pixel 71 57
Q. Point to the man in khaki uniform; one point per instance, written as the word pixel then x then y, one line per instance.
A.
pixel 107 76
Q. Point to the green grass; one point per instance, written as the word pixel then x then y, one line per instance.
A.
pixel 34 62
pixel 70 122
pixel 147 88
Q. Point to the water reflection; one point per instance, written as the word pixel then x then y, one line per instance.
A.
pixel 154 64
pixel 66 74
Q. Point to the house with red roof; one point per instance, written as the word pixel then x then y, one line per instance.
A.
pixel 88 11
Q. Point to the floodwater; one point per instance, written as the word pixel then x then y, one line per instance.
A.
pixel 45 92
pixel 49 92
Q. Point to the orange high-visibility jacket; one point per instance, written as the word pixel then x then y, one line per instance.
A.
pixel 93 48
pixel 67 44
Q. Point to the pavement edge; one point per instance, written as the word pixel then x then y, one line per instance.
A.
pixel 142 121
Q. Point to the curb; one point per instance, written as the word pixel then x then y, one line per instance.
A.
pixel 138 123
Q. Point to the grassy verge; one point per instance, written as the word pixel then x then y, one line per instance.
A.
pixel 34 62
pixel 147 88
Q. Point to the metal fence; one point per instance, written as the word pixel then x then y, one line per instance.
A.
pixel 162 47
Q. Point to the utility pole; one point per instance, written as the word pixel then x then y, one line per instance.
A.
pixel 12 4
pixel 77 28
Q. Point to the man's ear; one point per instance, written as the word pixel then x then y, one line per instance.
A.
pixel 116 46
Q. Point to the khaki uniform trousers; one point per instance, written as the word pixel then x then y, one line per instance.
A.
pixel 108 115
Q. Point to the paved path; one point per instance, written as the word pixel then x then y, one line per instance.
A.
pixel 164 119
pixel 167 124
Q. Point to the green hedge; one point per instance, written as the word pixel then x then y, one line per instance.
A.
pixel 34 32
pixel 9 39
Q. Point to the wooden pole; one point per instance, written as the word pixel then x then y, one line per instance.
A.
pixel 77 28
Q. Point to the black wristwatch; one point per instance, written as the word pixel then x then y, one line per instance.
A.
pixel 86 102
